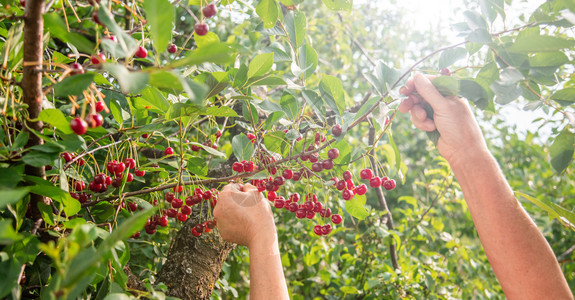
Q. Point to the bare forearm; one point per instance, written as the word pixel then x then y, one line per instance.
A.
pixel 267 279
pixel 519 254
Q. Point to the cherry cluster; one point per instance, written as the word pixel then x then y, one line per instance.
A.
pixel 206 227
pixel 80 126
pixel 348 188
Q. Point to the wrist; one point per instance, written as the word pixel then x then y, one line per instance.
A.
pixel 265 240
pixel 465 160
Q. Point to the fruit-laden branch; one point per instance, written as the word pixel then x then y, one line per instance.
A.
pixel 77 157
pixel 382 201
pixel 32 86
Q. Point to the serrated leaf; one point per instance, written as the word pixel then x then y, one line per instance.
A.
pixel 130 82
pixel 243 147
pixel 338 5
pixel 73 85
pixel 268 10
pixel 260 65
pixel 55 118
pixel 160 17
pixel 450 56
pixel 333 94
pixel 562 149
pixel 355 207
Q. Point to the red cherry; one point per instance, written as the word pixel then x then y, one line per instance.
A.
pixel 119 168
pixel 172 213
pixel 238 167
pixel 140 173
pixel 272 196
pixel 77 68
pixel 100 178
pixel 340 185
pixel 327 164
pixel 349 184
pixel 178 189
pixel 195 233
pixel 169 151
pixel 308 205
pixel 112 38
pixel 294 197
pixel 79 186
pixel 211 224
pixel 207 195
pixel 116 182
pixel 177 203
pixel 445 72
pixel 347 195
pixel 347 175
pixel 182 217
pixel 169 196
pixel 108 180
pixel 186 210
pixel 67 157
pixel 296 176
pixel 279 181
pixel 317 207
pixel 201 29
pixel 79 126
pixel 273 170
pixel 279 203
pixel 287 174
pixel 333 153
pixel 366 174
pixel 110 166
pixel 361 190
pixel 210 10
pixel 23 3
pixel 218 134
pixel 97 59
pixel 163 221
pixel 130 177
pixel 389 184
pixel 252 137
pixel 311 197
pixel 326 229
pixel 336 130
pixel 317 230
pixel 172 48
pixel 96 18
pixel 130 163
pixel 75 195
pixel 141 52
pixel 95 120
pixel 99 106
pixel 310 214
pixel 301 213
pixel 317 167
pixel 249 166
pixel 132 206
pixel 375 182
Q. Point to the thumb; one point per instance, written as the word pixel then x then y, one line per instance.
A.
pixel 428 92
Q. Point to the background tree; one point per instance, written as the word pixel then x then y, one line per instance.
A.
pixel 122 119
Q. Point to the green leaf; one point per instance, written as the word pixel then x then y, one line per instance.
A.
pixel 42 187
pixel 152 99
pixel 243 147
pixel 554 211
pixel 73 85
pixel 126 45
pixel 479 36
pixel 218 53
pixel 295 24
pixel 450 56
pixel 10 177
pixel 474 92
pixel 130 82
pixel 7 233
pixel 315 102
pixel 308 59
pixel 46 213
pixel 446 85
pixel 474 20
pixel 55 118
pixel 355 207
pixel 220 111
pixel 565 96
pixel 205 40
pixel 12 196
pixel 272 119
pixel 276 142
pixel 338 4
pixel 268 10
pixel 20 141
pixel 290 105
pixel 57 28
pixel 562 149
pixel 382 78
pixel 260 65
pixel 10 270
pixel 540 43
pixel 332 92
pixel 39 158
pixel 160 17
pixel 250 113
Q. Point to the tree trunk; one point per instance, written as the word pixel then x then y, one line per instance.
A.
pixel 194 263
pixel 32 84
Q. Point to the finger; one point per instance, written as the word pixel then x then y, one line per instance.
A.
pixel 249 188
pixel 406 105
pixel 418 112
pixel 235 187
pixel 428 92
pixel 425 124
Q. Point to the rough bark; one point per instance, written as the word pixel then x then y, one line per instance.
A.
pixel 32 84
pixel 194 263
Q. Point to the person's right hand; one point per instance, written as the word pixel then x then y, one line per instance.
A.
pixel 459 132
pixel 243 215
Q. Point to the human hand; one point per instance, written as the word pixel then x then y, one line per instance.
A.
pixel 459 132
pixel 243 215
